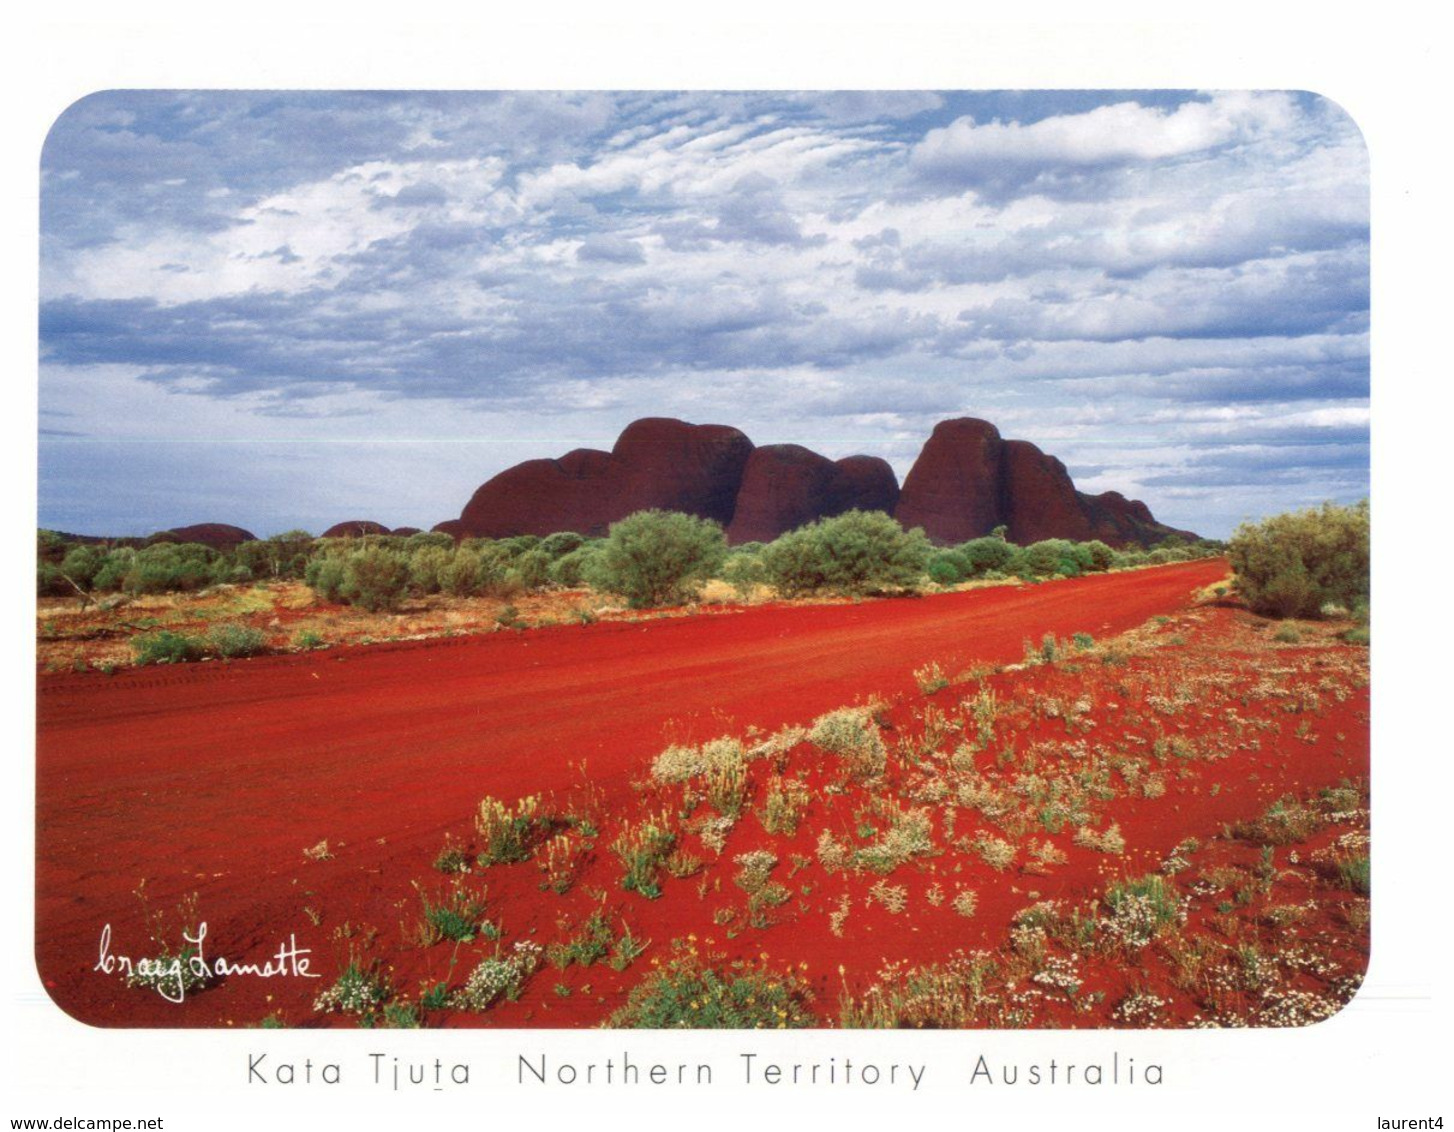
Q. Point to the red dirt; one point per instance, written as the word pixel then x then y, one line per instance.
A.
pixel 214 778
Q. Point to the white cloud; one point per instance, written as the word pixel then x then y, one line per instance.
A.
pixel 1122 132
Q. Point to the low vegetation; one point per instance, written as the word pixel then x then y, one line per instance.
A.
pixel 647 560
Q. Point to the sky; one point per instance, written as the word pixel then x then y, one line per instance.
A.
pixel 290 309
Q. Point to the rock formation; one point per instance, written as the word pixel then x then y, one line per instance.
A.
pixel 355 528
pixel 967 481
pixel 786 485
pixel 656 462
pixel 219 536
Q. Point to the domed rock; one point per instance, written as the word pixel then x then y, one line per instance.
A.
pixel 676 466
pixel 953 489
pixel 866 483
pixel 783 486
pixel 540 497
pixel 966 481
pixel 656 462
pixel 219 536
pixel 1039 499
pixel 355 528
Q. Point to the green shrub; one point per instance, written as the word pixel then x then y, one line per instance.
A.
pixel 113 569
pixel 232 638
pixel 461 575
pixel 1056 557
pixel 281 556
pixel 1292 565
pixel 426 568
pixel 986 554
pixel 509 833
pixel 324 576
pixel 858 552
pixel 571 569
pixel 49 582
pixel 561 543
pixel 1100 556
pixel 689 994
pixel 658 557
pixel 166 567
pixel 165 647
pixel 1356 873
pixel 82 563
pixel 307 639
pixel 375 578
pixel 643 849
pixel 420 540
pixel 949 567
pixel 852 735
pixel 743 571
pixel 533 569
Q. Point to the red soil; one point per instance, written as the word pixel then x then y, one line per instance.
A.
pixel 214 778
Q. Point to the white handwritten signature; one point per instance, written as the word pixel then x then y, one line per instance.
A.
pixel 171 975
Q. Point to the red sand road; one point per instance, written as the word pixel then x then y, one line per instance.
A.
pixel 217 776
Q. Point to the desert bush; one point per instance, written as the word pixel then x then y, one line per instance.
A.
pixel 1100 556
pixel 589 944
pixel 909 835
pixel 571 569
pixel 460 576
pixel 165 647
pixel 561 543
pixel 324 576
pixel 232 638
pixel 375 578
pixel 852 735
pixel 782 808
pixel 688 993
pixel 642 850
pixel 281 556
pixel 419 540
pixel 169 566
pixel 532 568
pixel 1142 908
pixel 984 555
pixel 1292 565
pixel 49 581
pixel 658 557
pixel 113 569
pixel 858 552
pixel 359 989
pixel 503 975
pixel 744 571
pixel 949 567
pixel 1056 557
pixel 456 917
pixel 427 565
pixel 82 563
pixel 509 833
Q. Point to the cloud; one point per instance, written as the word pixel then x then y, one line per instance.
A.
pixel 1103 273
pixel 1058 147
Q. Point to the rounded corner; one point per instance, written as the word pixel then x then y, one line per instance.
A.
pixel 69 111
pixel 1337 108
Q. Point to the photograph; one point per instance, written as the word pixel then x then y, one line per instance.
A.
pixel 739 560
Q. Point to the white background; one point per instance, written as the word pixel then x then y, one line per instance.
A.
pixel 1377 1058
